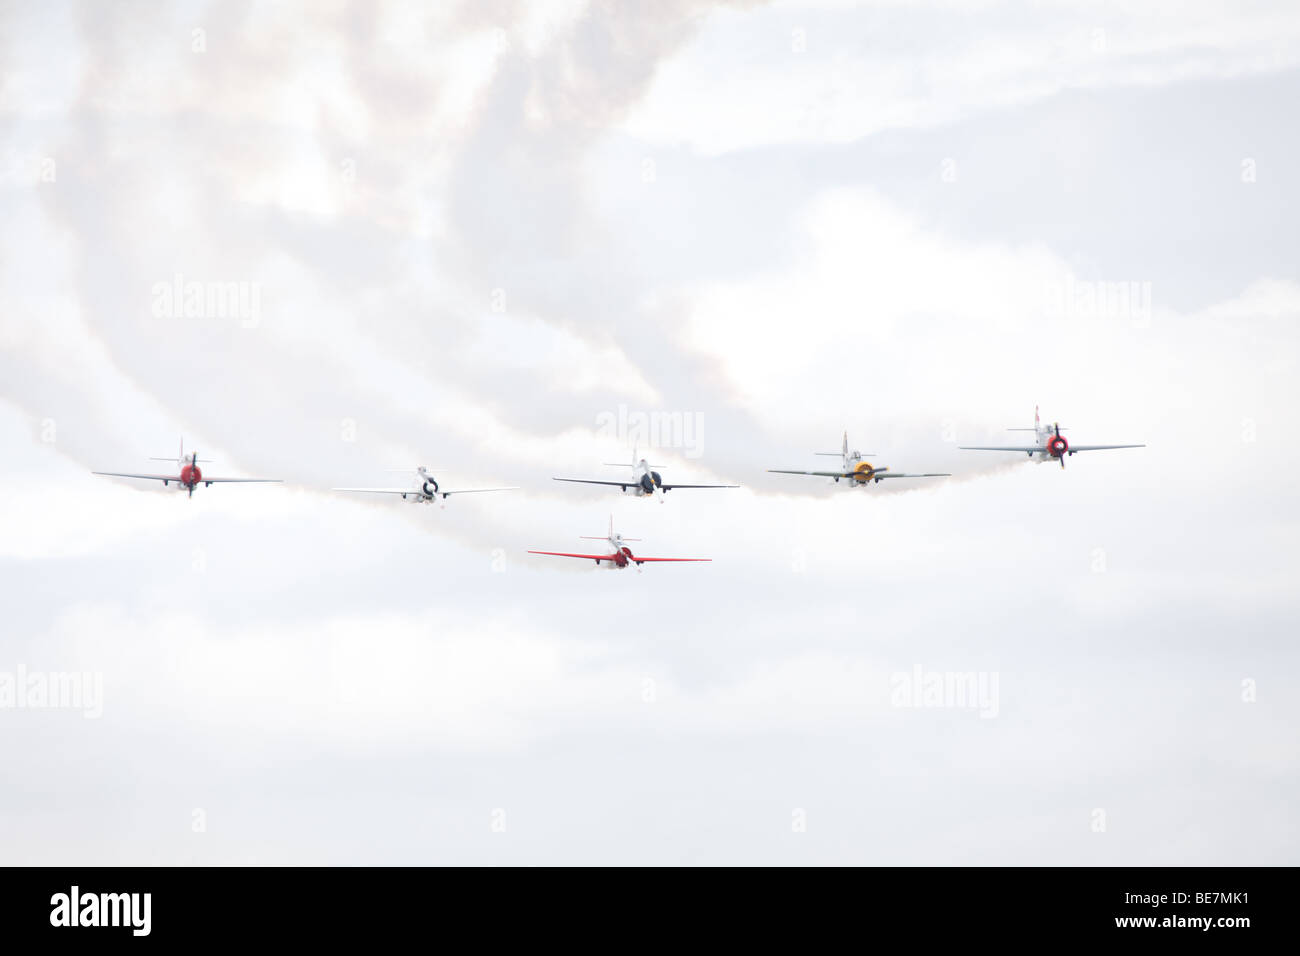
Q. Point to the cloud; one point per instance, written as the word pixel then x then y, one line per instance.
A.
pixel 479 235
pixel 833 73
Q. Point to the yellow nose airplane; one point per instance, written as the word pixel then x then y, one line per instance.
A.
pixel 857 471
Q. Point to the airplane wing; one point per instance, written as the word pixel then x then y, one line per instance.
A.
pixel 1021 448
pixel 122 474
pixel 633 482
pixel 417 491
pixel 591 481
pixel 644 560
pixel 820 474
pixel 470 491
pixel 566 554
pixel 205 480
pixel 382 491
pixel 912 474
pixel 1074 448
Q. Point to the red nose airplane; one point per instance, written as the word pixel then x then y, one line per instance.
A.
pixel 190 476
pixel 619 556
pixel 1049 443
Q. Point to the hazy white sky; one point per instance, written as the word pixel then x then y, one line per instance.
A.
pixel 471 239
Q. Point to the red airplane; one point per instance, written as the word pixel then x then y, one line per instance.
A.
pixel 620 555
pixel 190 477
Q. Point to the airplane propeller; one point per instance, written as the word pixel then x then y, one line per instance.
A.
pixel 1057 426
pixel 194 463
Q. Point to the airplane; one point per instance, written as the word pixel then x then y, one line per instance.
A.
pixel 853 467
pixel 1049 443
pixel 620 555
pixel 190 477
pixel 425 490
pixel 644 483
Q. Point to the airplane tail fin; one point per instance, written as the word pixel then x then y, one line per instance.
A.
pixel 620 464
pixel 635 462
pixel 180 456
pixel 842 453
pixel 1037 424
pixel 592 537
pixel 608 537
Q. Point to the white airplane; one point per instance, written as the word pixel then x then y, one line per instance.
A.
pixel 644 483
pixel 1049 443
pixel 853 467
pixel 189 475
pixel 425 489
pixel 619 555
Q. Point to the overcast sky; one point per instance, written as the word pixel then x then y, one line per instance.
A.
pixel 493 239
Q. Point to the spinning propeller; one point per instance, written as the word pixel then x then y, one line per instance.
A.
pixel 1058 444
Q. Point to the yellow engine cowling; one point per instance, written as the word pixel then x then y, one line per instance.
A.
pixel 862 472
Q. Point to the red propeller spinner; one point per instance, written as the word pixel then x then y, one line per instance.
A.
pixel 1057 446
